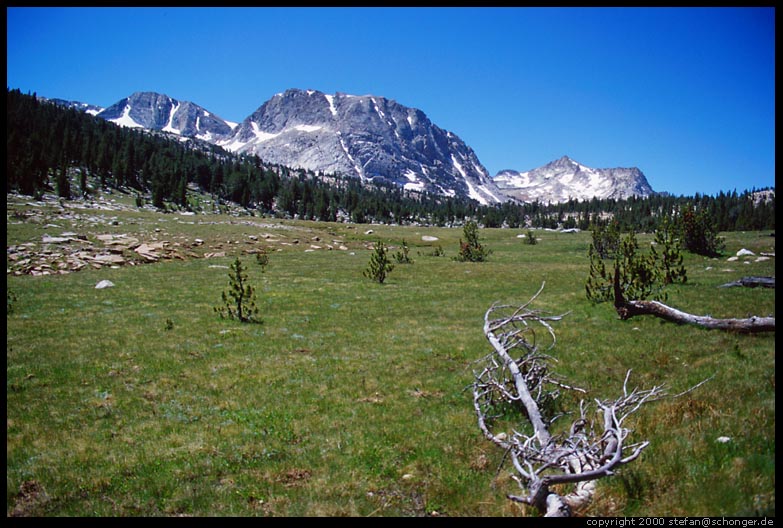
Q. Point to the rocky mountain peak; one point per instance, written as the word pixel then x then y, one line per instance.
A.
pixel 564 179
pixel 375 139
pixel 367 136
pixel 155 111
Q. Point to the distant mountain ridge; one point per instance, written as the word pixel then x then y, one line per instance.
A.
pixel 156 111
pixel 565 179
pixel 84 107
pixel 371 138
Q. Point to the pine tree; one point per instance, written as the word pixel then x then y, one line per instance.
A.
pixel 402 256
pixel 639 275
pixel 379 266
pixel 239 302
pixel 698 234
pixel 667 256
pixel 471 250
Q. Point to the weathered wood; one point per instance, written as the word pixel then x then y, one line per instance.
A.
pixel 748 325
pixel 751 282
pixel 556 472
pixel 627 309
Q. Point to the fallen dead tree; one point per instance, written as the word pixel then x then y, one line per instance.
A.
pixel 515 379
pixel 630 308
pixel 751 282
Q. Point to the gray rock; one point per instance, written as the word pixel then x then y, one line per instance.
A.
pixel 563 179
pixel 104 284
pixel 155 111
pixel 368 137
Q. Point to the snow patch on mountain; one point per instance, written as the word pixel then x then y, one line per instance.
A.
pixel 369 137
pixel 565 179
pixel 126 120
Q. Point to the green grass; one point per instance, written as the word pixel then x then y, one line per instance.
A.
pixel 350 399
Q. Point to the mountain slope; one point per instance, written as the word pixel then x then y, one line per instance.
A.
pixel 83 107
pixel 155 111
pixel 365 136
pixel 372 138
pixel 564 179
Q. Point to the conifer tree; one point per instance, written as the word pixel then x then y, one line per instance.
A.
pixel 239 302
pixel 379 266
pixel 698 232
pixel 402 256
pixel 667 256
pixel 639 276
pixel 471 250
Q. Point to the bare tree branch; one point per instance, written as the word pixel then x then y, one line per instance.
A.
pixel 595 444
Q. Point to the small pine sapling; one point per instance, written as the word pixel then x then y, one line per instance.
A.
pixel 471 250
pixel 239 302
pixel 402 256
pixel 262 259
pixel 379 266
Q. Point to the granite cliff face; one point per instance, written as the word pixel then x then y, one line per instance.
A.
pixel 365 136
pixel 564 179
pixel 154 111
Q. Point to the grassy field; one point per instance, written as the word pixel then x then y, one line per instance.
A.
pixel 352 398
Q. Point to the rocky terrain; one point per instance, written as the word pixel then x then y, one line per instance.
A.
pixel 86 233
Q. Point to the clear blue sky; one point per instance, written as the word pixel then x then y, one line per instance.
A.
pixel 685 94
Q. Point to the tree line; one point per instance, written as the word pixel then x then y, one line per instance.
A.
pixel 53 148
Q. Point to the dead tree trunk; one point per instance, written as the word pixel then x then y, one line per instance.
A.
pixel 627 309
pixel 751 282
pixel 589 450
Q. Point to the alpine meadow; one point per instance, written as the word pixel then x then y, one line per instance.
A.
pixel 265 342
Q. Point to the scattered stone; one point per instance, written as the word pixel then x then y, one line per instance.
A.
pixel 104 284
pixel 723 439
pixel 428 238
pixel 46 239
pixel 745 252
pixel 109 259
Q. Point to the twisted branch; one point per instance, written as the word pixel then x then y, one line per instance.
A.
pixel 596 442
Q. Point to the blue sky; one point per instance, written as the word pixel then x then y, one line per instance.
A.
pixel 685 94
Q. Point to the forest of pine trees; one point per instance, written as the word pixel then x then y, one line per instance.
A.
pixel 48 144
